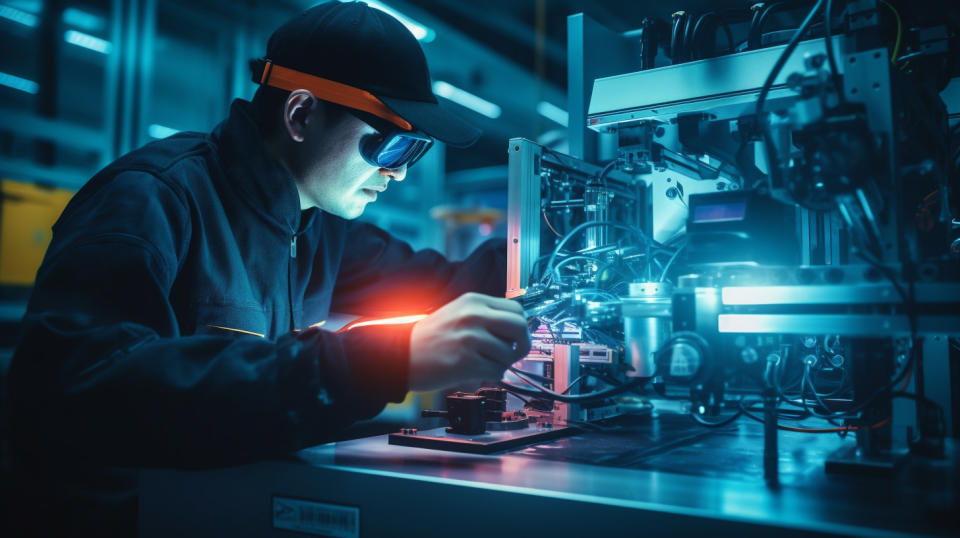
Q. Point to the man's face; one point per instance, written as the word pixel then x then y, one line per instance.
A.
pixel 332 175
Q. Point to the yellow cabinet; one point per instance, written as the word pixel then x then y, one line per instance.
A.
pixel 27 214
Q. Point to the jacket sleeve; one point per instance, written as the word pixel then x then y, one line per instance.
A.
pixel 101 372
pixel 382 275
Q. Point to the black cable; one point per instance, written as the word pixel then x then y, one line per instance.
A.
pixel 755 37
pixel 745 409
pixel 767 11
pixel 835 392
pixel 721 23
pixel 602 176
pixel 569 259
pixel 831 58
pixel 753 24
pixel 772 165
pixel 909 303
pixel 543 392
pixel 574 383
pixel 830 416
pixel 842 431
pixel 941 416
pixel 696 45
pixel 644 238
pixel 674 52
pixel 686 45
pixel 526 377
pixel 537 377
pixel 784 56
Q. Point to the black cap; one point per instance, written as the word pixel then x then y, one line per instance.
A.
pixel 360 46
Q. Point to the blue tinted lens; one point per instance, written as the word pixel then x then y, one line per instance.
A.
pixel 395 150
pixel 393 153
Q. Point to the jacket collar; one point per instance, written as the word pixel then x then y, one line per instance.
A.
pixel 262 181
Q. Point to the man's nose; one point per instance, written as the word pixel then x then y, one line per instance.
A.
pixel 396 174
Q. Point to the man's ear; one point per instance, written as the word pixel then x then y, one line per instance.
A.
pixel 296 113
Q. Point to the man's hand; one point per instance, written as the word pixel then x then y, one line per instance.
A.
pixel 473 338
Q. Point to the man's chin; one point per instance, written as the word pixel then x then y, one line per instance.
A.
pixel 347 213
pixel 353 212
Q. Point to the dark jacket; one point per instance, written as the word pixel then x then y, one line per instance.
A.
pixel 132 351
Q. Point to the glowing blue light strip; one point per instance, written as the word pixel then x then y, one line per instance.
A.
pixel 466 99
pixel 83 20
pixel 88 41
pixel 553 113
pixel 847 324
pixel 18 16
pixel 812 294
pixel 17 83
pixel 31 6
pixel 160 131
pixel 419 31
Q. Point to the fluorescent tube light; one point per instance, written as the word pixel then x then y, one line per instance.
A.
pixel 83 20
pixel 419 31
pixel 17 83
pixel 466 99
pixel 553 113
pixel 18 16
pixel 87 41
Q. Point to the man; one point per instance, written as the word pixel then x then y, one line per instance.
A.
pixel 173 322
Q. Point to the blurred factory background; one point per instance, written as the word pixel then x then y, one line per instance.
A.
pixel 85 81
pixel 82 82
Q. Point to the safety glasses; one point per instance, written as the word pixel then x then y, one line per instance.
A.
pixel 394 149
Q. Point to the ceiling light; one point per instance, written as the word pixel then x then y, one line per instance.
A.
pixel 466 99
pixel 87 41
pixel 553 113
pixel 17 83
pixel 419 31
pixel 18 16
pixel 83 20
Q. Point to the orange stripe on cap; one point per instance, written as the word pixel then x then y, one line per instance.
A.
pixel 328 90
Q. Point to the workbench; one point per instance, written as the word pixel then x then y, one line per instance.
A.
pixel 657 475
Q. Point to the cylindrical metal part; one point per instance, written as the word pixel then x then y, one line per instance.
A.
pixel 596 204
pixel 647 321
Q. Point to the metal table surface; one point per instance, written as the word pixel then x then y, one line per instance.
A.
pixel 663 475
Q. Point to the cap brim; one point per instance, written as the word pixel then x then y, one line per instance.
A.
pixel 436 120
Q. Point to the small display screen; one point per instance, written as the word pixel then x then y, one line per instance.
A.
pixel 726 212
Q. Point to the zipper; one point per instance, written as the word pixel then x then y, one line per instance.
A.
pixel 293 255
